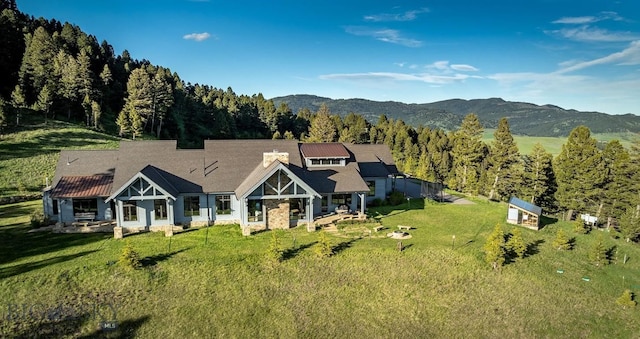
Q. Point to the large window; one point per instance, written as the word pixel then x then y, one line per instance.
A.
pixel 85 206
pixel 341 199
pixel 297 209
pixel 191 206
pixel 372 188
pixel 130 211
pixel 160 209
pixel 223 204
pixel 255 210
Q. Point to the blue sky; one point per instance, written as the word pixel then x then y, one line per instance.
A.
pixel 582 55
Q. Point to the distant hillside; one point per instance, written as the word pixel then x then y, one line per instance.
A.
pixel 524 118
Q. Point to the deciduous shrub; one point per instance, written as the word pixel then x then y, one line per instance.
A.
pixel 396 198
pixel 626 299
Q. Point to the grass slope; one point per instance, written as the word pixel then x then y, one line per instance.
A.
pixel 553 145
pixel 29 156
pixel 216 283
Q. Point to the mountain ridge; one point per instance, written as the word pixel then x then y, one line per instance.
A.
pixel 524 118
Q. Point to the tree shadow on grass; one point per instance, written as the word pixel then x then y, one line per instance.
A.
pixel 17 243
pixel 533 248
pixel 291 253
pixel 30 266
pixel 610 253
pixel 126 329
pixel 153 260
pixel 343 246
pixel 546 221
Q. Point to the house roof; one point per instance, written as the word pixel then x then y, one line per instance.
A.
pixel 83 186
pixel 527 206
pixel 224 165
pixel 324 150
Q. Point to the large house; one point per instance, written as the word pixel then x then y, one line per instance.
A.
pixel 255 183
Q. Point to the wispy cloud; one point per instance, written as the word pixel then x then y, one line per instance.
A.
pixel 581 20
pixel 593 34
pixel 581 28
pixel 406 16
pixel 390 76
pixel 464 68
pixel 197 36
pixel 386 35
pixel 567 81
pixel 628 56
pixel 437 73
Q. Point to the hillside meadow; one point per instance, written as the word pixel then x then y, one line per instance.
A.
pixel 213 282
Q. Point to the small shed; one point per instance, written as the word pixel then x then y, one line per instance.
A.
pixel 524 213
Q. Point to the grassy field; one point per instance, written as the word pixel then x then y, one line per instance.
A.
pixel 216 283
pixel 553 145
pixel 28 157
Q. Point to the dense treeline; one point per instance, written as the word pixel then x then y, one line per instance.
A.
pixel 53 70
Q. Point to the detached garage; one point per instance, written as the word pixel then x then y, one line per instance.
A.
pixel 524 214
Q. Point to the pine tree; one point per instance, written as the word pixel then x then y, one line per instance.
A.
pixel 162 100
pixel 322 128
pixel 468 153
pixel 136 123
pixel 124 125
pixel 629 225
pixel 140 97
pixel 562 241
pixel 45 100
pixel 618 189
pixel 129 258
pixel 580 227
pixel 504 174
pixel 626 299
pixel 579 173
pixel 539 183
pixel 494 248
pixel 96 113
pixel 516 244
pixel 19 102
pixel 36 69
pixel 274 252
pixel 323 247
pixel 598 253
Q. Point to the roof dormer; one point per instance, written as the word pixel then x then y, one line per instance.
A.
pixel 324 154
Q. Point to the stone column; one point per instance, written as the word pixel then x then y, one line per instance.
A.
pixel 117 233
pixel 168 231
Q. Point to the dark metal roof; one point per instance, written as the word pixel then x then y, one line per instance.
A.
pixel 527 206
pixel 83 186
pixel 324 150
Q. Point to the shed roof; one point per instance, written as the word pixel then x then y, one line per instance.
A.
pixel 83 186
pixel 527 206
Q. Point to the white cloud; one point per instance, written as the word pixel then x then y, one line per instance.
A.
pixel 576 20
pixel 464 68
pixel 406 16
pixel 197 36
pixel 593 34
pixel 628 56
pixel 581 20
pixel 389 76
pixel 386 35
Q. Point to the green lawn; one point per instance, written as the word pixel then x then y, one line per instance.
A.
pixel 216 283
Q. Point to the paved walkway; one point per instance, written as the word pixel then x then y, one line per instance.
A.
pixel 454 199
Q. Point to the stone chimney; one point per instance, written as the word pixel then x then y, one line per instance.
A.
pixel 269 157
